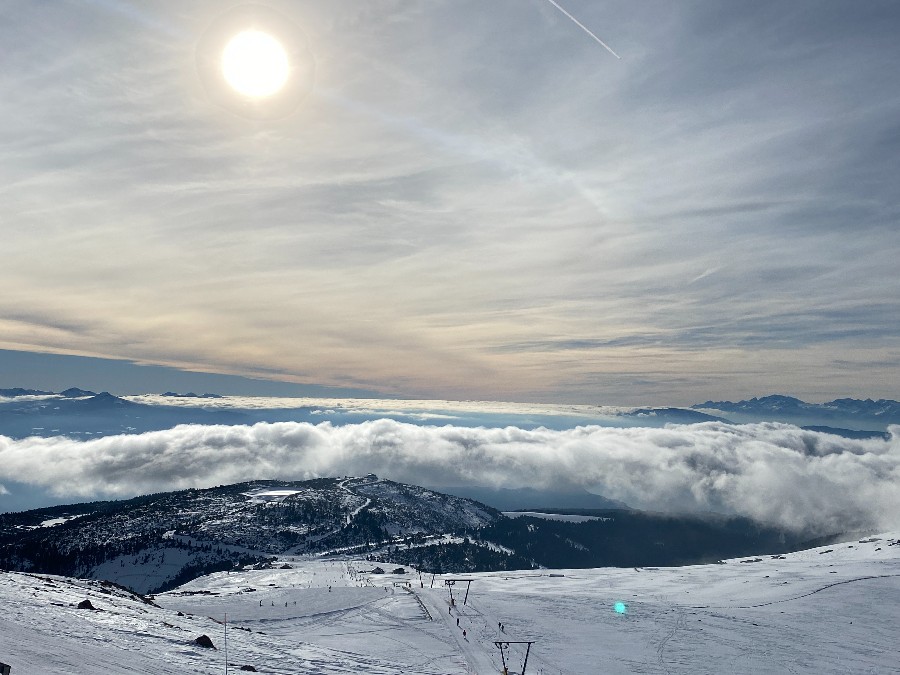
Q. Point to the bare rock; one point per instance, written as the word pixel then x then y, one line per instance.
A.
pixel 205 642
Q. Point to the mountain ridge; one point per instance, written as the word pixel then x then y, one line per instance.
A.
pixel 869 406
pixel 840 412
pixel 155 542
pixel 180 535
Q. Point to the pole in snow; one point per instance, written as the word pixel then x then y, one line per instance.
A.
pixel 502 646
pixel 468 582
pixel 226 643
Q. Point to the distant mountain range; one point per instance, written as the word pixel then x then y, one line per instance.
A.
pixel 75 392
pixel 82 414
pixel 858 414
pixel 72 392
pixel 780 404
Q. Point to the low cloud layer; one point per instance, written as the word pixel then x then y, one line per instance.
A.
pixel 773 472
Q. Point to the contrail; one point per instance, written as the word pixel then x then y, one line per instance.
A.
pixel 585 29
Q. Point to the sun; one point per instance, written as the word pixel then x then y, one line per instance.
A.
pixel 255 64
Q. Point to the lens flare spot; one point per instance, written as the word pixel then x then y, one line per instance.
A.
pixel 620 607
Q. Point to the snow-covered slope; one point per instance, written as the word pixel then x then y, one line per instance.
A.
pixel 828 610
pixel 157 541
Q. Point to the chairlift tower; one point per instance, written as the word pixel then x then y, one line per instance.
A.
pixel 503 646
pixel 452 582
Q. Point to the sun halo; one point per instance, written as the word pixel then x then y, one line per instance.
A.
pixel 255 64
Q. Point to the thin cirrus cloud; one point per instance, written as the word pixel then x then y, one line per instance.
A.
pixel 465 182
pixel 776 473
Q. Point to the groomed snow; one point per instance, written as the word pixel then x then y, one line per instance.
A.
pixel 271 495
pixel 829 610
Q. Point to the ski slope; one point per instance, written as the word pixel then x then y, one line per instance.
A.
pixel 828 610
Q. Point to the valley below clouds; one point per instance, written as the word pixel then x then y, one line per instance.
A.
pixel 773 472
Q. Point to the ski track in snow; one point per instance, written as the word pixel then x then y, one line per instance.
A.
pixel 343 485
pixel 823 611
pixel 818 590
pixel 358 509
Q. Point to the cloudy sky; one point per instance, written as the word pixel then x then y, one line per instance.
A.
pixel 473 200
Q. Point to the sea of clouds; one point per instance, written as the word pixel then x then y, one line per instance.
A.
pixel 773 472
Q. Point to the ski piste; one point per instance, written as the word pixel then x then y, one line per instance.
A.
pixel 830 609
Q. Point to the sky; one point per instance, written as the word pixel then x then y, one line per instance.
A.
pixel 459 200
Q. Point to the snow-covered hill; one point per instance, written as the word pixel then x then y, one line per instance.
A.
pixel 154 542
pixel 827 610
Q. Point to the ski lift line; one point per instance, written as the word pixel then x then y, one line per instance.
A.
pixel 504 644
pixel 450 583
pixel 585 29
pixel 468 587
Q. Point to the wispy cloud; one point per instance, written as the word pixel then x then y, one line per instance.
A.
pixel 773 472
pixel 466 178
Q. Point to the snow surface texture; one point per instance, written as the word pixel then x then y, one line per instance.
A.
pixel 827 610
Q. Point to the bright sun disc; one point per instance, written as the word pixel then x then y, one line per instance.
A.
pixel 255 64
